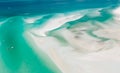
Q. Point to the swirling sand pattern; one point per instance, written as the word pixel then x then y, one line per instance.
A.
pixel 67 41
pixel 85 41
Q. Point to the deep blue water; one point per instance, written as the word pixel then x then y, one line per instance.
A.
pixel 26 7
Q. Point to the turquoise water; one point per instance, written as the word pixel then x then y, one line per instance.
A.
pixel 17 55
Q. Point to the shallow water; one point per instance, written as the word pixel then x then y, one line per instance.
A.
pixel 52 36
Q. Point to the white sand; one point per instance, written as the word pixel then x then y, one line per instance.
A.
pixel 85 54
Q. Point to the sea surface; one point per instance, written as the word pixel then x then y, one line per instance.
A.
pixel 49 36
